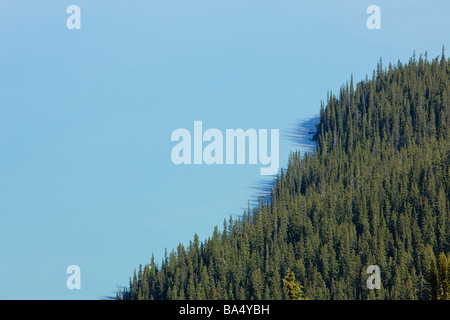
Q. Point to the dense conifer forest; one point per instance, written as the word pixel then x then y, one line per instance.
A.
pixel 375 192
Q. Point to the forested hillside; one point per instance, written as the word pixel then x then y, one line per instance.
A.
pixel 375 191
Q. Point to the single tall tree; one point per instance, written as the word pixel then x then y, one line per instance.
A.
pixel 293 289
pixel 443 283
pixel 433 280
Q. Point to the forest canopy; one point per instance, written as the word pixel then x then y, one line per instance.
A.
pixel 375 192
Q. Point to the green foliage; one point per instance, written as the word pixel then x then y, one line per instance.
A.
pixel 293 289
pixel 433 280
pixel 439 280
pixel 375 191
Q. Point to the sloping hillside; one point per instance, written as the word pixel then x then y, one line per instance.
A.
pixel 376 191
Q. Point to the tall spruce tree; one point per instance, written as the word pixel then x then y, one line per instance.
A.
pixel 433 280
pixel 293 289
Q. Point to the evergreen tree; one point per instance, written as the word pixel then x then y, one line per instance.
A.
pixel 443 281
pixel 439 281
pixel 293 289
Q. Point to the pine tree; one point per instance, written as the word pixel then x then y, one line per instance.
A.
pixel 439 281
pixel 293 289
pixel 443 281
